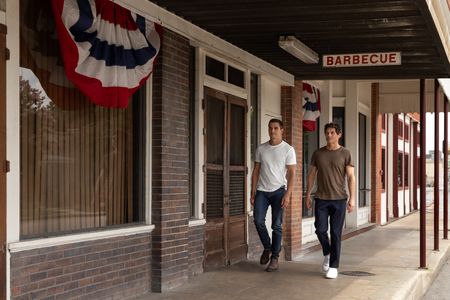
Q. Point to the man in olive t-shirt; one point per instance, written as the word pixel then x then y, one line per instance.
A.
pixel 333 165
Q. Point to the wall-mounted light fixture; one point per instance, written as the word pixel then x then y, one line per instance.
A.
pixel 292 45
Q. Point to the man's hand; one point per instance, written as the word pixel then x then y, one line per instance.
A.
pixel 350 205
pixel 285 200
pixel 252 199
pixel 308 201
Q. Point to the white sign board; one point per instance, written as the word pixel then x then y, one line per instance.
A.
pixel 362 60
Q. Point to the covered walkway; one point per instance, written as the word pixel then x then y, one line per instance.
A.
pixel 386 257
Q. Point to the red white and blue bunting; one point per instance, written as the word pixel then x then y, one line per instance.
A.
pixel 311 106
pixel 108 51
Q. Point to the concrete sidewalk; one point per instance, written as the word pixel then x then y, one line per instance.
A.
pixel 389 256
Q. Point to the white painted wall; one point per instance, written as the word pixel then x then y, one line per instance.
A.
pixel 270 104
pixel 308 231
pixel 383 208
pixel 339 88
pixel 400 198
pixel 408 200
pixel 390 162
pixel 363 215
pixel 270 108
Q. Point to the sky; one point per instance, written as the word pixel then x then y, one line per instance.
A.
pixel 430 131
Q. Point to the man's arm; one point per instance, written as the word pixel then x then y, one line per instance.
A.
pixel 350 170
pixel 290 184
pixel 312 172
pixel 255 178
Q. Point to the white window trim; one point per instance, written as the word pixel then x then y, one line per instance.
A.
pixel 148 150
pixel 78 238
pixel 197 222
pixel 199 180
pixel 225 87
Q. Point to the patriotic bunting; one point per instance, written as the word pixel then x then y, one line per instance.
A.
pixel 311 106
pixel 108 51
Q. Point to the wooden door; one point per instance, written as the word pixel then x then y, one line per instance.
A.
pixel 226 241
pixel 4 167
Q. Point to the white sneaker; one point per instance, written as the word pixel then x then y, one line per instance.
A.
pixel 332 273
pixel 326 263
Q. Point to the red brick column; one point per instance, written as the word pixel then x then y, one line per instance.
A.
pixel 292 113
pixel 170 161
pixel 375 137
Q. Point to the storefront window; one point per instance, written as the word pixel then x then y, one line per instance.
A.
pixel 362 162
pixel 310 144
pixel 400 170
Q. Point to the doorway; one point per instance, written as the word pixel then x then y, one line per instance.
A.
pixel 225 172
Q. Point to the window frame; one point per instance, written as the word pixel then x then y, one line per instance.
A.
pixel 406 171
pixel 307 214
pixel 400 170
pixel 400 127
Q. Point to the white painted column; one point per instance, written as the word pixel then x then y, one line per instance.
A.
pixel 390 164
pixel 351 141
pixel 326 109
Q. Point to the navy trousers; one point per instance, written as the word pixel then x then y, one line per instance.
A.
pixel 262 202
pixel 335 210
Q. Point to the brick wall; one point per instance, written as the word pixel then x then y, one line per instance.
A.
pixel 116 268
pixel 170 162
pixel 292 112
pixel 375 205
pixel 196 249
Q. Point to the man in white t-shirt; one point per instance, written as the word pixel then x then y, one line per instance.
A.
pixel 274 171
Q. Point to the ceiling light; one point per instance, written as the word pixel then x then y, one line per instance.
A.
pixel 292 45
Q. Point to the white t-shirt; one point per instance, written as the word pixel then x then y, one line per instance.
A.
pixel 274 160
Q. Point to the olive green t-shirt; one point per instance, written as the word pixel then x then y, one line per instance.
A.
pixel 331 172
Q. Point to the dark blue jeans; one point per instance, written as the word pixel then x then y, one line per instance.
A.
pixel 335 209
pixel 262 202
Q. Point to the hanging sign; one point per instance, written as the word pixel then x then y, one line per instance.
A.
pixel 362 60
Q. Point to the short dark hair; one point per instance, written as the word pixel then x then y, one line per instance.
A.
pixel 333 125
pixel 277 121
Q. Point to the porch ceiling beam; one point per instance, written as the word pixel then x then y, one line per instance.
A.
pixel 412 27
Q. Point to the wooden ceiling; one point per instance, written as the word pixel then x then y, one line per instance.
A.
pixel 327 27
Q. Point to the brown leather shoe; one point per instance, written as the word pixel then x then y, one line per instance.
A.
pixel 273 266
pixel 265 256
